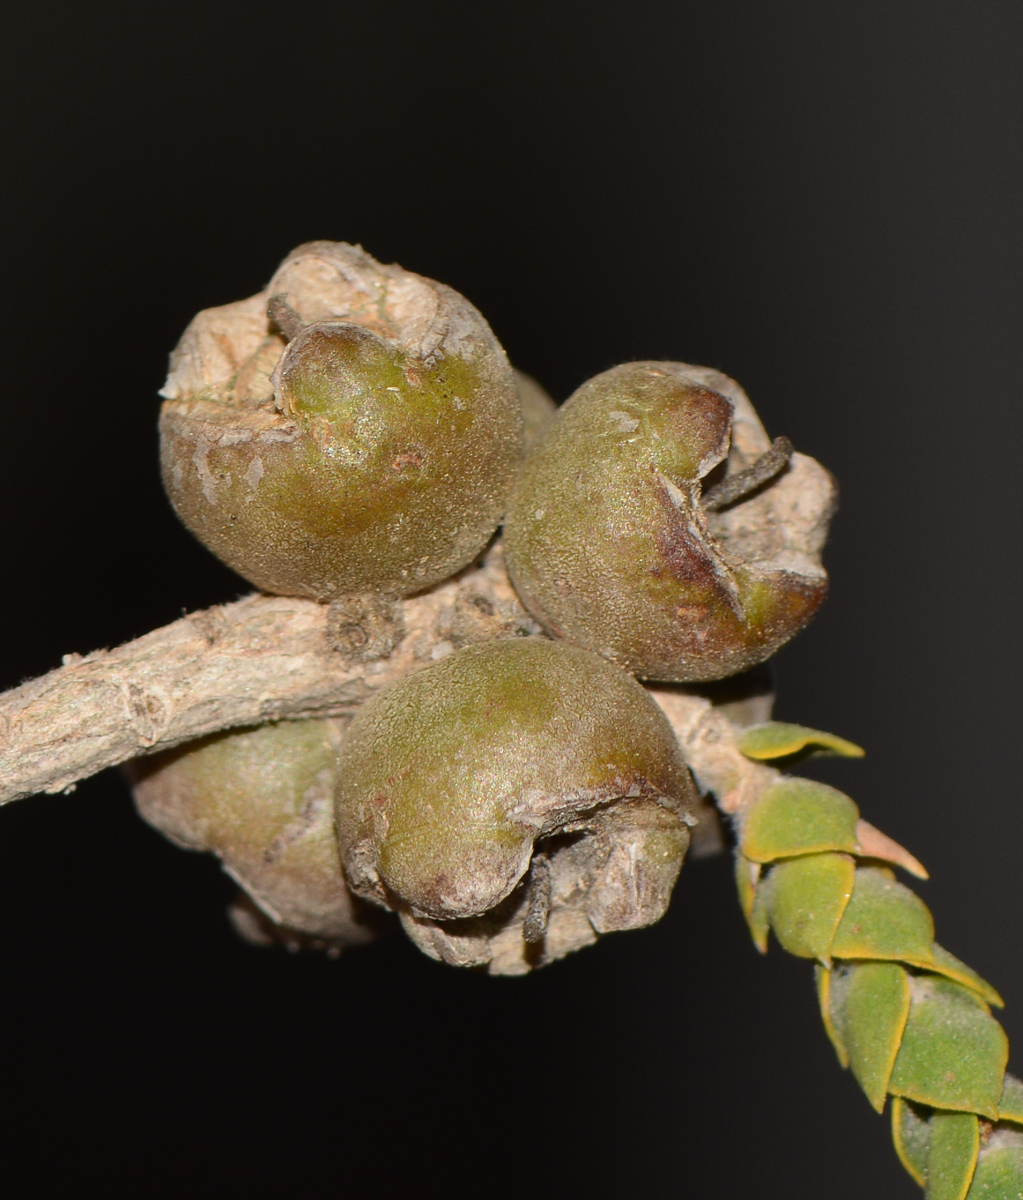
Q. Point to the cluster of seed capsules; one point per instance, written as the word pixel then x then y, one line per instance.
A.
pixel 354 434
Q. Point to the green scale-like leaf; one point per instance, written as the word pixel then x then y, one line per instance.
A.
pixel 955 1138
pixel 760 922
pixel 805 899
pixel 823 976
pixel 953 1051
pixel 751 901
pixel 746 875
pixel 869 1006
pixel 944 963
pixel 911 1133
pixel 776 739
pixel 951 1155
pixel 799 816
pixel 1010 1107
pixel 928 1040
pixel 999 1174
pixel 884 920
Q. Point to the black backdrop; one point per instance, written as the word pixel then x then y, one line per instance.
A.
pixel 817 199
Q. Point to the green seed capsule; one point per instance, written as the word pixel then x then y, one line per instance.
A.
pixel 353 429
pixel 262 801
pixel 512 801
pixel 612 543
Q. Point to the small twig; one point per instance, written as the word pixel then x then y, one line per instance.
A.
pixel 281 315
pixel 264 658
pixel 538 906
pixel 271 658
pixel 739 486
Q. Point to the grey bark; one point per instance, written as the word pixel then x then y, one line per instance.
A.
pixel 271 658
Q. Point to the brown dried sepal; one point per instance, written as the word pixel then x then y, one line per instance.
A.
pixel 609 547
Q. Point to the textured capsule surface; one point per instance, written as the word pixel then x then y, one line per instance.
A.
pixel 610 548
pixel 262 800
pixel 470 779
pixel 354 428
pixel 538 409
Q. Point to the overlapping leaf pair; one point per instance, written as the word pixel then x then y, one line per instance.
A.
pixel 904 1014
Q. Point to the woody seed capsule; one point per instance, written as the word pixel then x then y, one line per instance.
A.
pixel 352 429
pixel 612 544
pixel 512 801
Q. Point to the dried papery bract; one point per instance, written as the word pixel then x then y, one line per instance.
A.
pixel 354 428
pixel 609 546
pixel 512 801
pixel 262 800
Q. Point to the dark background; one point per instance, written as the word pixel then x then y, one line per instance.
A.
pixel 821 200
